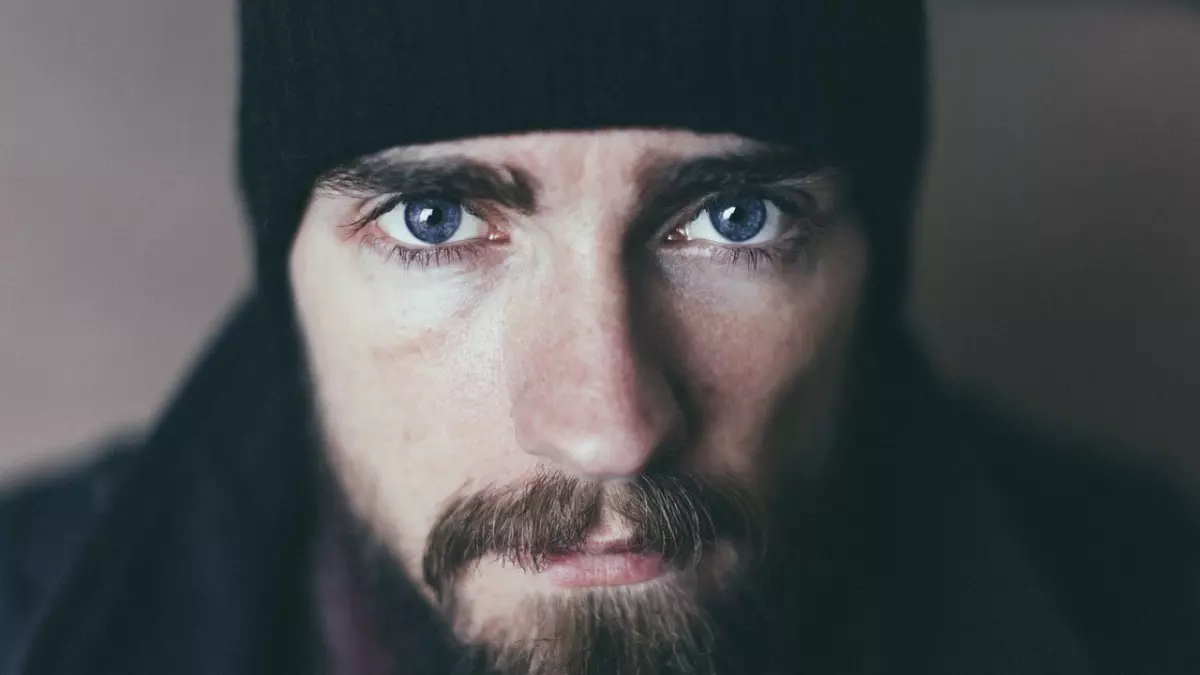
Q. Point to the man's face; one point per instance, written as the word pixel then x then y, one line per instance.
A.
pixel 553 370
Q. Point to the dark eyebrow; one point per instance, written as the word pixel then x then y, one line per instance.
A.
pixel 453 177
pixel 669 184
pixel 673 178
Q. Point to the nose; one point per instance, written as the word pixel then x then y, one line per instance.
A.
pixel 589 390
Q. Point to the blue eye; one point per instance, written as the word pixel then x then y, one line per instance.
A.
pixel 738 219
pixel 433 220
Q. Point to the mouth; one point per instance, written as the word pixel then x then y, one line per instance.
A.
pixel 603 563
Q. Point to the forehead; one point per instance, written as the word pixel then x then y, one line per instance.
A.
pixel 552 151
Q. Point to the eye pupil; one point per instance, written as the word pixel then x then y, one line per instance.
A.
pixel 431 217
pixel 738 218
pixel 734 215
pixel 433 220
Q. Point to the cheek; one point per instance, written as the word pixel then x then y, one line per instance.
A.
pixel 406 384
pixel 760 354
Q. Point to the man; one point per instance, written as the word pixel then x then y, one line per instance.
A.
pixel 577 346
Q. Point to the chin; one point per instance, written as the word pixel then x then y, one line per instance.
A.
pixel 650 627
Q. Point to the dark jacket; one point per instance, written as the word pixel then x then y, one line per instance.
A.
pixel 184 553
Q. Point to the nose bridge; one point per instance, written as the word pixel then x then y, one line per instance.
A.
pixel 588 394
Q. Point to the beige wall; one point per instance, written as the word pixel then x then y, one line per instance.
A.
pixel 1060 242
pixel 1060 237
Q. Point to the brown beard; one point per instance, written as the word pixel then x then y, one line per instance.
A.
pixel 612 632
pixel 669 627
pixel 666 628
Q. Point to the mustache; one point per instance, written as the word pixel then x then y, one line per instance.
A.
pixel 680 517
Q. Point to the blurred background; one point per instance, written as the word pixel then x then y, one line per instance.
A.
pixel 1059 238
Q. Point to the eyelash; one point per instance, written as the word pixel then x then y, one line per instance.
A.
pixel 433 256
pixel 790 203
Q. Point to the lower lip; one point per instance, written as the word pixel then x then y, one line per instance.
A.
pixel 603 569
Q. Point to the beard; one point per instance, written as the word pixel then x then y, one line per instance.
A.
pixel 699 618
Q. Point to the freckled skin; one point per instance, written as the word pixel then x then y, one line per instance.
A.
pixel 554 349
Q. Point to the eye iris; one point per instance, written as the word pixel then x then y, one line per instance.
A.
pixel 738 218
pixel 432 220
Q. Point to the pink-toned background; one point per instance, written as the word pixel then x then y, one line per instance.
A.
pixel 1059 257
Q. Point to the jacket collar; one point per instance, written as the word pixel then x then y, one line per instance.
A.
pixel 193 569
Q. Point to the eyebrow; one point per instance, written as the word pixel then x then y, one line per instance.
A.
pixel 670 184
pixel 675 179
pixel 453 177
pixel 666 183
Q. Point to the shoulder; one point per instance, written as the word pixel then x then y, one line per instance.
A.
pixel 1116 537
pixel 43 522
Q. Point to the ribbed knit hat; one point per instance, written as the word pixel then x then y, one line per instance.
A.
pixel 324 81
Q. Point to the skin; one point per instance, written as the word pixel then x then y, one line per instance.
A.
pixel 567 339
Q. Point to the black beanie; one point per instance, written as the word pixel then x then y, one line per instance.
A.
pixel 324 81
